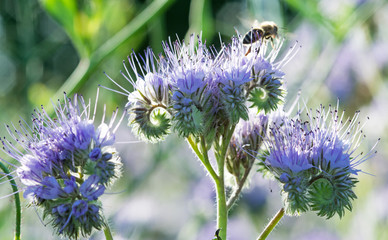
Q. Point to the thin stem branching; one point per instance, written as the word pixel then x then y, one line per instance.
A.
pixel 271 225
pixel 17 201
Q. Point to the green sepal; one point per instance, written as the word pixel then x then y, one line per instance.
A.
pixel 262 167
pixel 189 124
pixel 266 99
pixel 294 192
pixel 332 193
pixel 151 125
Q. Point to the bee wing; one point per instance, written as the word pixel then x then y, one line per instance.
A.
pixel 255 24
pixel 248 22
pixel 284 33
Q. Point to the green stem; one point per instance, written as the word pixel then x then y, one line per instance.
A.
pixel 219 179
pixel 17 201
pixel 107 232
pixel 206 159
pixel 194 147
pixel 271 225
pixel 222 208
pixel 240 184
pixel 203 157
pixel 225 143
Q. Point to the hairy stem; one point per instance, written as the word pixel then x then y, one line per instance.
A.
pixel 203 157
pixel 236 192
pixel 17 201
pixel 107 233
pixel 206 159
pixel 271 225
pixel 222 209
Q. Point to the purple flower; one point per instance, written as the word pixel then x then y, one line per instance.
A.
pixel 103 136
pixel 95 154
pixel 315 160
pixel 91 188
pixel 31 171
pixel 188 82
pixel 194 89
pixel 236 67
pixel 68 218
pixel 61 163
pixel 147 106
pixel 70 185
pixel 191 65
pixel 49 189
pixel 62 210
pixel 79 208
pixel 79 135
pixel 290 147
pixel 251 132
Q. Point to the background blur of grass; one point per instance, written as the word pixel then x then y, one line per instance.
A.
pixel 51 46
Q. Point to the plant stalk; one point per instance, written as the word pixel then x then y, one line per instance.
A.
pixel 222 209
pixel 236 192
pixel 271 225
pixel 107 232
pixel 17 201
pixel 203 157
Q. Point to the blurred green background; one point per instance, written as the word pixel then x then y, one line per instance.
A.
pixel 51 46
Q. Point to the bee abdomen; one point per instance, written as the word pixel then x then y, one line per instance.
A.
pixel 253 36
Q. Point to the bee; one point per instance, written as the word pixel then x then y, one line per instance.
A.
pixel 264 31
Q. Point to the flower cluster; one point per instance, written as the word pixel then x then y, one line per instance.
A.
pixel 314 161
pixel 195 90
pixel 226 100
pixel 67 164
pixel 234 94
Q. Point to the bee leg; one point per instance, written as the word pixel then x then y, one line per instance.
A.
pixel 258 50
pixel 249 50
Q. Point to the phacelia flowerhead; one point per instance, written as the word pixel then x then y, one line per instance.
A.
pixel 233 74
pixel 66 165
pixel 148 112
pixel 196 90
pixel 314 161
pixel 266 90
pixel 190 76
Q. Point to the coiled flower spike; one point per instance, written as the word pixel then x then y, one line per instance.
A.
pixel 66 164
pixel 266 90
pixel 315 162
pixel 147 105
